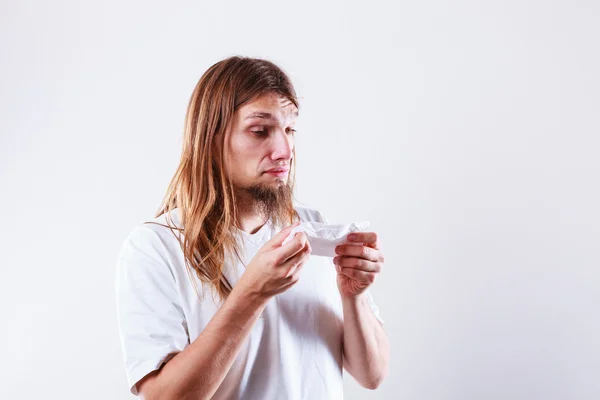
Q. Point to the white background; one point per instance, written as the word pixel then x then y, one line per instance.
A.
pixel 465 131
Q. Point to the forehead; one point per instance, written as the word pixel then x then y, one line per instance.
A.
pixel 269 106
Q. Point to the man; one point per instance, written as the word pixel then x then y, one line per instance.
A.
pixel 210 303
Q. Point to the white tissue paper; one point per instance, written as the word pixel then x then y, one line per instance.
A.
pixel 324 238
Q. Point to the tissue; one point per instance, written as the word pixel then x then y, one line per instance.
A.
pixel 324 238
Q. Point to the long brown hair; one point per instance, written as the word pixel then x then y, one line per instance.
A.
pixel 201 189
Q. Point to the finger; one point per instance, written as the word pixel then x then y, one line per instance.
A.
pixel 290 280
pixel 368 238
pixel 281 235
pixel 293 247
pixel 357 263
pixel 360 276
pixel 368 253
pixel 297 261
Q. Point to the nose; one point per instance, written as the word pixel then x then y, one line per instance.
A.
pixel 282 145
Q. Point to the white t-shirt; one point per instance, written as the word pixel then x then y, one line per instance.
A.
pixel 294 350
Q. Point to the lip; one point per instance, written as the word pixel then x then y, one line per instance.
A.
pixel 278 171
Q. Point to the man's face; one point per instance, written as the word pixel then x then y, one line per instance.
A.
pixel 261 139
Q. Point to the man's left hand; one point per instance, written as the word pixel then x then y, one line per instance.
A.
pixel 358 264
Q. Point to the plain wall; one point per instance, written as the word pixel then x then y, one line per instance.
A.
pixel 466 132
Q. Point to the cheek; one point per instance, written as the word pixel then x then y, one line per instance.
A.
pixel 244 157
pixel 242 145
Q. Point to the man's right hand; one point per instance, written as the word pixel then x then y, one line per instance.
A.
pixel 276 268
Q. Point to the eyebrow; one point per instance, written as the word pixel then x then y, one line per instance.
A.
pixel 265 115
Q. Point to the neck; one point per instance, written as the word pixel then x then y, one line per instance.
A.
pixel 257 204
pixel 250 219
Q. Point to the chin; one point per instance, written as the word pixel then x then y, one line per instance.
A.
pixel 277 179
pixel 281 181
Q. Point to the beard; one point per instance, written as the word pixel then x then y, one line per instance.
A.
pixel 272 202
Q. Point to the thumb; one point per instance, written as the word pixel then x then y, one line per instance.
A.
pixel 278 239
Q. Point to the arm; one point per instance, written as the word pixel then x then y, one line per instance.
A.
pixel 199 369
pixel 366 346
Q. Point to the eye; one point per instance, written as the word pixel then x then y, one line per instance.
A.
pixel 261 132
pixel 292 130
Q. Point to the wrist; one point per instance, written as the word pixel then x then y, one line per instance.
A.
pixel 354 300
pixel 248 293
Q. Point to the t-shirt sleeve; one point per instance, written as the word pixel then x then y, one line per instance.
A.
pixel 152 325
pixel 369 297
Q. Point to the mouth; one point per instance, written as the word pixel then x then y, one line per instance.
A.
pixel 278 171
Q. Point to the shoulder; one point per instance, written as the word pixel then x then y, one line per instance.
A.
pixel 169 222
pixel 142 252
pixel 149 247
pixel 162 232
pixel 309 214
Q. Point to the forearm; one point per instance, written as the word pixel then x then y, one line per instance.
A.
pixel 197 371
pixel 366 346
